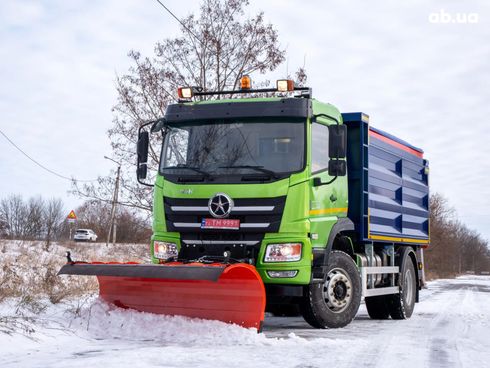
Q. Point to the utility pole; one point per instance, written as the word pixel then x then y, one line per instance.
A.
pixel 115 197
pixel 114 220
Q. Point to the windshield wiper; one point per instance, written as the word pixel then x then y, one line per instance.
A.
pixel 195 169
pixel 256 168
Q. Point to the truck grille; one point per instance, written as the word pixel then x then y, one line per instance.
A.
pixel 257 216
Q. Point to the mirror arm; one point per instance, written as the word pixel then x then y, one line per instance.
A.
pixel 143 183
pixel 317 182
pixel 158 125
pixel 144 125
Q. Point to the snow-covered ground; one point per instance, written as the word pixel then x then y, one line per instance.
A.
pixel 450 328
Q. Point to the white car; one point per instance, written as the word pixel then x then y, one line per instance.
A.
pixel 85 235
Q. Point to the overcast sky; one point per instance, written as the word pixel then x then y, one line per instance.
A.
pixel 417 76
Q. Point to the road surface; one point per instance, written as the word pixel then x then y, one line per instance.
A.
pixel 450 328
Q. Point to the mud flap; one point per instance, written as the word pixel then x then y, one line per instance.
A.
pixel 231 293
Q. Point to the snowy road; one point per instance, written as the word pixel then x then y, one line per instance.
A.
pixel 450 328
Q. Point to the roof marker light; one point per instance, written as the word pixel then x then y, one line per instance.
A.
pixel 245 82
pixel 185 92
pixel 285 85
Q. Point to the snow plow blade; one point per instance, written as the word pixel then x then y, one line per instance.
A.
pixel 232 293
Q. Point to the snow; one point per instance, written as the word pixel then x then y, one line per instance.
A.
pixel 450 328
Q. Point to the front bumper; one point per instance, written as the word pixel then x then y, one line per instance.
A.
pixel 303 266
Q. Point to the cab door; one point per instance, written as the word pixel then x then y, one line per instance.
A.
pixel 324 201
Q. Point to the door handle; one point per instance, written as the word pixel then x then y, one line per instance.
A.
pixel 333 198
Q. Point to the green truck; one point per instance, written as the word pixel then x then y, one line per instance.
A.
pixel 323 208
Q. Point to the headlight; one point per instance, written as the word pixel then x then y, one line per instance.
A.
pixel 287 252
pixel 164 250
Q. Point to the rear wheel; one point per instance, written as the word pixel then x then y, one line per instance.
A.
pixel 377 306
pixel 335 302
pixel 401 305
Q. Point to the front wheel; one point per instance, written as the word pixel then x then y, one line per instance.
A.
pixel 335 302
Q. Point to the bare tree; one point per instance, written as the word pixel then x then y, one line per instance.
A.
pixel 217 46
pixel 454 247
pixel 53 219
pixel 94 215
pixel 131 227
pixel 13 213
pixel 31 219
pixel 34 222
pixel 3 229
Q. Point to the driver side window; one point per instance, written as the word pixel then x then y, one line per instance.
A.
pixel 176 150
pixel 319 147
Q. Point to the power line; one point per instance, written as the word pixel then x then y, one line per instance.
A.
pixel 178 20
pixel 39 164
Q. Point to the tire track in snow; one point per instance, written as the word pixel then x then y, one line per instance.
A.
pixel 440 333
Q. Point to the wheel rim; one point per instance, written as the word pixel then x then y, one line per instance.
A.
pixel 408 286
pixel 337 290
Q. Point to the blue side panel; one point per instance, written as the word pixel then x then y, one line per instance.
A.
pixel 388 183
pixel 357 170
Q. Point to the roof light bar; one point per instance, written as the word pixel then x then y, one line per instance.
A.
pixel 185 92
pixel 285 85
pixel 282 85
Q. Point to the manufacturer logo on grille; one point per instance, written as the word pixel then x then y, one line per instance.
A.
pixel 220 205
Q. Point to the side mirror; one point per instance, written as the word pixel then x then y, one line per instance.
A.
pixel 337 141
pixel 142 152
pixel 337 167
pixel 142 171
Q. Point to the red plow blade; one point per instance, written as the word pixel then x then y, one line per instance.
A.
pixel 230 293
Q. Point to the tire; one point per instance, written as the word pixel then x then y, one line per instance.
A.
pixel 377 307
pixel 284 310
pixel 401 305
pixel 343 282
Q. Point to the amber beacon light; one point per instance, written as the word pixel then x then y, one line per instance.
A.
pixel 245 82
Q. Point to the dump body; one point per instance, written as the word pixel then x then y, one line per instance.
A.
pixel 388 185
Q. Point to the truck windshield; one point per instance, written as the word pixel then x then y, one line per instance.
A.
pixel 273 147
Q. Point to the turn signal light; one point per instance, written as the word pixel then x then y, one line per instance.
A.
pixel 285 85
pixel 288 274
pixel 185 92
pixel 245 82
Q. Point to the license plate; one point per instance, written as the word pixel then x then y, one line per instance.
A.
pixel 212 223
